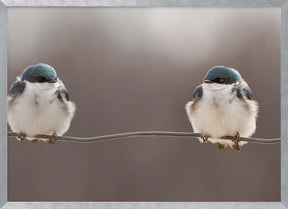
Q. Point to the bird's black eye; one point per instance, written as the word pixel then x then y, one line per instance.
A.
pixel 219 80
pixel 41 79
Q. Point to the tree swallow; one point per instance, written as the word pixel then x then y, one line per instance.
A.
pixel 222 106
pixel 38 103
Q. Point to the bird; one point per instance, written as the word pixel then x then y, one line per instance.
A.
pixel 223 106
pixel 39 103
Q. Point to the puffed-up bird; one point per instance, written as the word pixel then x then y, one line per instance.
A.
pixel 39 103
pixel 222 106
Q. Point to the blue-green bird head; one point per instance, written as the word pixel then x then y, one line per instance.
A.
pixel 39 73
pixel 222 75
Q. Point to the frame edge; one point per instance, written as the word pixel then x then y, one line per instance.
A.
pixel 142 205
pixel 143 3
pixel 284 103
pixel 3 103
pixel 3 91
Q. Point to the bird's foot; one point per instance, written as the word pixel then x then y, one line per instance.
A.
pixel 236 139
pixel 204 138
pixel 21 136
pixel 53 140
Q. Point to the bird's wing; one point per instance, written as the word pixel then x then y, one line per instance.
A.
pixel 244 92
pixel 62 92
pixel 63 97
pixel 247 92
pixel 16 89
pixel 197 94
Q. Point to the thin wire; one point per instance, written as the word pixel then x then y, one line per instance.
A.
pixel 146 134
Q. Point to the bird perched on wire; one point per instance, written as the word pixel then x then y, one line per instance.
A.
pixel 222 106
pixel 39 103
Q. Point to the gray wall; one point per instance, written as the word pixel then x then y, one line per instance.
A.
pixel 133 69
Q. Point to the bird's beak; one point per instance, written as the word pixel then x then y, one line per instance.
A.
pixel 208 81
pixel 52 80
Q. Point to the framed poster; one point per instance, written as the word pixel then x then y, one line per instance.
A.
pixel 132 66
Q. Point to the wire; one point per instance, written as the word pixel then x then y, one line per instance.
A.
pixel 145 134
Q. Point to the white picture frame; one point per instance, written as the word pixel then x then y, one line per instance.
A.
pixel 6 4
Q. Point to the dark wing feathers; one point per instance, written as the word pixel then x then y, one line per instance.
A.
pixel 244 92
pixel 63 93
pixel 197 93
pixel 247 93
pixel 17 88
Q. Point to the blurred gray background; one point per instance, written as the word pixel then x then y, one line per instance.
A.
pixel 133 69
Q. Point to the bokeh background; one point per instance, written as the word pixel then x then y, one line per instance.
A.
pixel 133 69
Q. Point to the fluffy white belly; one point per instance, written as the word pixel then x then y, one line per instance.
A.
pixel 38 111
pixel 220 113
